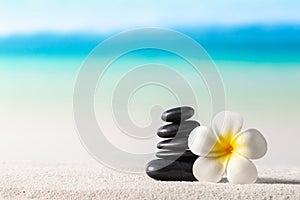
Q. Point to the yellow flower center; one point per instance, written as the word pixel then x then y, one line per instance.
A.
pixel 228 148
pixel 225 146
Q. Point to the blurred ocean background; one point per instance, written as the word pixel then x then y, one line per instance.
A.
pixel 255 46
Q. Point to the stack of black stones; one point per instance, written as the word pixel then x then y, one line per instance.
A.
pixel 175 161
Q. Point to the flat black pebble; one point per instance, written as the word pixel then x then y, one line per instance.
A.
pixel 165 170
pixel 192 159
pixel 174 155
pixel 178 130
pixel 174 144
pixel 178 114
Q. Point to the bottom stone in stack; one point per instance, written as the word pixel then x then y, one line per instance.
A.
pixel 166 170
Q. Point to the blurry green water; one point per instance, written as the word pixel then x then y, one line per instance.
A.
pixel 36 101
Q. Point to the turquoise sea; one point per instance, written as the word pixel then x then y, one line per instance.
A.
pixel 259 67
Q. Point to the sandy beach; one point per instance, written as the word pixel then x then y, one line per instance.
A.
pixel 90 180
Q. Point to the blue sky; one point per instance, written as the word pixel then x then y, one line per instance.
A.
pixel 29 16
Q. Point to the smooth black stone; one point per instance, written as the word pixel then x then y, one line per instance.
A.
pixel 174 155
pixel 178 114
pixel 178 130
pixel 174 144
pixel 165 170
pixel 192 159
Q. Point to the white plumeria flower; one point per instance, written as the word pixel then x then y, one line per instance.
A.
pixel 225 149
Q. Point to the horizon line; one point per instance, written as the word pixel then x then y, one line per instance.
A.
pixel 205 28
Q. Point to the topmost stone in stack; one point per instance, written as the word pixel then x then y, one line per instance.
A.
pixel 178 114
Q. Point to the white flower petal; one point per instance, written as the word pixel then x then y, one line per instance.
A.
pixel 227 123
pixel 209 169
pixel 241 170
pixel 201 141
pixel 251 144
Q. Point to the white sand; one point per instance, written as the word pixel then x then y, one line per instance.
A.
pixel 29 180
